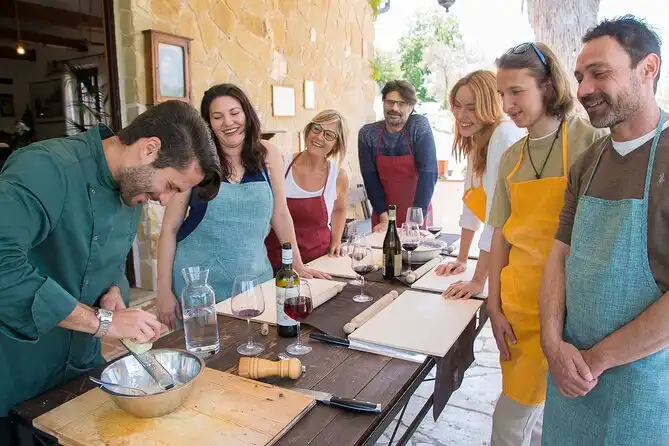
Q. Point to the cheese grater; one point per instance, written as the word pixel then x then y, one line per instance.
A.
pixel 153 368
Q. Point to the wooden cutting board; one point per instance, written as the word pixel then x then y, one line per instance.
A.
pixel 341 266
pixel 321 292
pixel 223 409
pixel 431 282
pixel 419 322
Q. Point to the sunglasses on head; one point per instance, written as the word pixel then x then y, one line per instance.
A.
pixel 525 47
pixel 329 135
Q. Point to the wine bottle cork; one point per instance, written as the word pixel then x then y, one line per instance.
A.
pixel 264 329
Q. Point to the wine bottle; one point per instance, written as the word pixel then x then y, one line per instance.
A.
pixel 287 287
pixel 392 248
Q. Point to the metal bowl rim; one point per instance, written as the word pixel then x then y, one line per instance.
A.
pixel 164 392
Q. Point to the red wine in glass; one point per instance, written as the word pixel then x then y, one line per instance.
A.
pixel 410 246
pixel 298 308
pixel 434 230
pixel 363 270
pixel 248 313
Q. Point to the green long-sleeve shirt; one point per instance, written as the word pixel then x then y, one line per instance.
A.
pixel 64 237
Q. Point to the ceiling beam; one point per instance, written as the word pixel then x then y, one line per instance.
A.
pixel 31 12
pixel 44 39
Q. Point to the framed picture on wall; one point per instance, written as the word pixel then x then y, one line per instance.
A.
pixel 283 101
pixel 7 105
pixel 309 94
pixel 46 99
pixel 168 66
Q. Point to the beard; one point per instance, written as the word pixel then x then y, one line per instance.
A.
pixel 393 119
pixel 135 181
pixel 613 111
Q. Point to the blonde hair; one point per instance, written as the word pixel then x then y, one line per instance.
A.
pixel 338 152
pixel 488 110
pixel 559 98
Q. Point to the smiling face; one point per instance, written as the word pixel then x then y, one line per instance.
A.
pixel 141 184
pixel 396 110
pixel 228 121
pixel 464 110
pixel 522 99
pixel 609 88
pixel 322 138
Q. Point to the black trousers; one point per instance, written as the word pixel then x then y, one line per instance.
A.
pixel 6 433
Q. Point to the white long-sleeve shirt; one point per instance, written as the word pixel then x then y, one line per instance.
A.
pixel 504 136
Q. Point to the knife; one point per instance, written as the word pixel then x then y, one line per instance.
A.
pixel 344 403
pixel 370 348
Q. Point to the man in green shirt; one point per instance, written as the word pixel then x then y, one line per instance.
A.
pixel 69 211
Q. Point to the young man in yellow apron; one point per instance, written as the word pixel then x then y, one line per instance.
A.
pixel 525 211
pixel 604 302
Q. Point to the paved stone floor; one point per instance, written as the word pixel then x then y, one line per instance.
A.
pixel 467 420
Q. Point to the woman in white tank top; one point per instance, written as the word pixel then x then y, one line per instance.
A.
pixel 316 189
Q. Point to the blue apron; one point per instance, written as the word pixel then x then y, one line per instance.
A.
pixel 230 239
pixel 608 284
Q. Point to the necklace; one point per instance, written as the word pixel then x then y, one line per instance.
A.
pixel 529 154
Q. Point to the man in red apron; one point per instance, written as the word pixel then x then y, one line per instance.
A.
pixel 398 158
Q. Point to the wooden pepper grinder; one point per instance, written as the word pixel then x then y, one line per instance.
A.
pixel 258 368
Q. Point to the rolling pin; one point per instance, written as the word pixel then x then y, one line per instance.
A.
pixel 372 310
pixel 415 275
pixel 258 368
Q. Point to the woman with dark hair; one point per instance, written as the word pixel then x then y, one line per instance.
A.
pixel 525 211
pixel 227 234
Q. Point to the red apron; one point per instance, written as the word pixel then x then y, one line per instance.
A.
pixel 312 228
pixel 399 178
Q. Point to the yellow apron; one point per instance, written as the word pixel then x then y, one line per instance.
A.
pixel 476 200
pixel 530 230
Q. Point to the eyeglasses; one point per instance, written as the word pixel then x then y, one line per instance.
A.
pixel 329 135
pixel 524 47
pixel 389 103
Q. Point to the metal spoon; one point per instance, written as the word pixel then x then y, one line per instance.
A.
pixel 110 386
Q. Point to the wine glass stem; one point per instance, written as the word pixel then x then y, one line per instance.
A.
pixel 248 331
pixel 299 341
pixel 409 252
pixel 362 285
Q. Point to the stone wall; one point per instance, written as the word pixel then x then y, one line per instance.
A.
pixel 254 44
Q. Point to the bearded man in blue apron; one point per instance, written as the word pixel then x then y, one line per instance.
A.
pixel 605 300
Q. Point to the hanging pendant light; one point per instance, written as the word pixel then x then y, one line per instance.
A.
pixel 20 49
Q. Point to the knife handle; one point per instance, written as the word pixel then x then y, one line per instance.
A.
pixel 351 404
pixel 330 339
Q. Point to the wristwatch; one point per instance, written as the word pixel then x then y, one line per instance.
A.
pixel 105 318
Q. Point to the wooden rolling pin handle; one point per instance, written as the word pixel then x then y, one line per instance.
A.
pixel 258 368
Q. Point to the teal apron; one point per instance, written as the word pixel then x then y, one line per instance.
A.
pixel 608 284
pixel 230 239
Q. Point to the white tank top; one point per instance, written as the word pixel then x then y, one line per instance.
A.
pixel 295 191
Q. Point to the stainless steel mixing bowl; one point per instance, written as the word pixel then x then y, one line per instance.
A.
pixel 185 367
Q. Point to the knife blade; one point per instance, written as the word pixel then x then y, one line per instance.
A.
pixel 370 348
pixel 344 403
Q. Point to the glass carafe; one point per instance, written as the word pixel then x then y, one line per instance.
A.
pixel 198 305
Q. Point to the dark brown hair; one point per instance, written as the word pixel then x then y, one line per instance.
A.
pixel 253 151
pixel 559 98
pixel 404 88
pixel 184 137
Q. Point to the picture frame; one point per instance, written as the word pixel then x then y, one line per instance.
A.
pixel 283 101
pixel 309 94
pixel 46 100
pixel 168 66
pixel 7 105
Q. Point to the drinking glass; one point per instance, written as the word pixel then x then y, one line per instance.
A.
pixel 433 226
pixel 353 237
pixel 299 308
pixel 248 302
pixel 362 262
pixel 410 237
pixel 198 307
pixel 415 215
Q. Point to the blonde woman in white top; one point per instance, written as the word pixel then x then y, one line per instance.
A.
pixel 481 137
pixel 316 190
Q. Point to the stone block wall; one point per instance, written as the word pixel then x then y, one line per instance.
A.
pixel 254 44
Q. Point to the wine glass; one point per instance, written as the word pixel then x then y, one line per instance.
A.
pixel 299 308
pixel 362 262
pixel 410 237
pixel 248 302
pixel 353 237
pixel 433 226
pixel 415 215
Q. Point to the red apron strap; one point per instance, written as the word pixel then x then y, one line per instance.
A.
pixel 290 166
pixel 406 136
pixel 327 174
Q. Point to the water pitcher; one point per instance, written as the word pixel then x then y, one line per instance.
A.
pixel 198 305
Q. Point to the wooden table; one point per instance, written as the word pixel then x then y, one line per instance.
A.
pixel 343 372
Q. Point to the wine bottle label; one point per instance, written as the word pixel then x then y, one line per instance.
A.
pixel 398 265
pixel 287 256
pixel 281 295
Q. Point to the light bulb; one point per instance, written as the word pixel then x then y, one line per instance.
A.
pixel 20 50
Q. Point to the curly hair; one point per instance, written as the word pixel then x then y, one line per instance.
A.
pixel 253 151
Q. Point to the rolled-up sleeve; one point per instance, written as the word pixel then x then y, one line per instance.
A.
pixel 370 176
pixel 425 153
pixel 32 194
